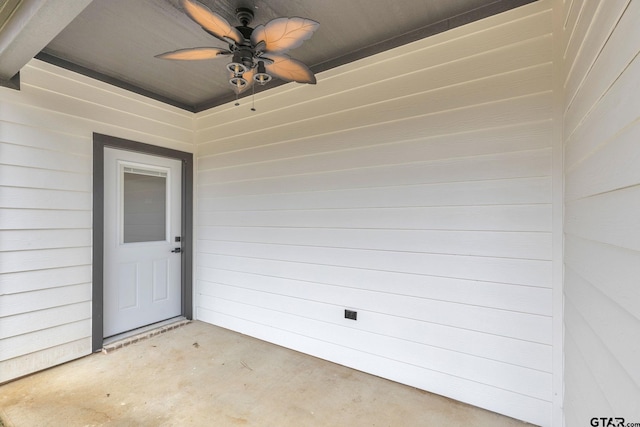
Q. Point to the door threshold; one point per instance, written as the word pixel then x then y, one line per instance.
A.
pixel 131 337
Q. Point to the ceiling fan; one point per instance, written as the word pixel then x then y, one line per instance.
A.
pixel 258 54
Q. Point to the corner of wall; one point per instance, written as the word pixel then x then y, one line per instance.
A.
pixel 558 216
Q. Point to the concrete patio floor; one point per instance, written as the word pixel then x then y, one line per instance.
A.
pixel 202 375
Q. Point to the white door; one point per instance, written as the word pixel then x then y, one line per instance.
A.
pixel 142 223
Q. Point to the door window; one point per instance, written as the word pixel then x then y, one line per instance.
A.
pixel 144 205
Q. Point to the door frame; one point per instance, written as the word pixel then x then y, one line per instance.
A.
pixel 101 141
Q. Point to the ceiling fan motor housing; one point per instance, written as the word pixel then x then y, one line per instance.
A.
pixel 246 56
pixel 245 16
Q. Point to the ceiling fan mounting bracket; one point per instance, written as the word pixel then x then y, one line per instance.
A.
pixel 244 15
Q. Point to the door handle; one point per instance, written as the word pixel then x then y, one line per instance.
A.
pixel 177 250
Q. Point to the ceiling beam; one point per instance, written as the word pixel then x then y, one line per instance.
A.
pixel 27 26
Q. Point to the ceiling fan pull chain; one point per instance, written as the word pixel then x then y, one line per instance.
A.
pixel 253 98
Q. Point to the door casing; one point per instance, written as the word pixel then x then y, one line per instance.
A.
pixel 101 141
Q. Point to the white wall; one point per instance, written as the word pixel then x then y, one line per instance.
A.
pixel 422 201
pixel 45 205
pixel 414 187
pixel 420 198
pixel 602 158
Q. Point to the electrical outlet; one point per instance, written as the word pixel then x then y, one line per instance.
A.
pixel 350 314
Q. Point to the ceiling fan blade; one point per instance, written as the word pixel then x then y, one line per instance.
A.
pixel 194 53
pixel 289 69
pixel 282 34
pixel 212 22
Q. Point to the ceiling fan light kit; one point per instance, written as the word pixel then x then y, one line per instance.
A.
pixel 262 77
pixel 257 54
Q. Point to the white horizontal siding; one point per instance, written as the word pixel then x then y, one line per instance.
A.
pixel 443 290
pixel 601 116
pixel 17 240
pixel 421 200
pixel 46 133
pixel 485 142
pixel 39 198
pixel 452 242
pixel 489 269
pixel 441 312
pixel 36 320
pixel 534 163
pixel 26 219
pixel 44 358
pixel 25 281
pixel 486 192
